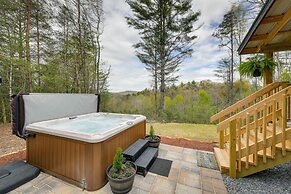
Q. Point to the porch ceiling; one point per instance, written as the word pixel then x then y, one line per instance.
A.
pixel 271 31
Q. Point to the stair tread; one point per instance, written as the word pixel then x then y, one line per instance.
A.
pixel 251 159
pixel 260 138
pixel 222 157
pixel 135 150
pixel 288 145
pixel 243 142
pixel 261 135
pixel 145 158
pixel 268 152
pixel 243 145
pixel 270 129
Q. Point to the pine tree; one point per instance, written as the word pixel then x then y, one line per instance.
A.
pixel 166 37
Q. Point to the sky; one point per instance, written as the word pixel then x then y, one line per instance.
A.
pixel 129 74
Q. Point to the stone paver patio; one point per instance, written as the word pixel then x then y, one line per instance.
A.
pixel 185 178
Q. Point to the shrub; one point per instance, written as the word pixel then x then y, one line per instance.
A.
pixel 118 161
pixel 121 169
pixel 152 132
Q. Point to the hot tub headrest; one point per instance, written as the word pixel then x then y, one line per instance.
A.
pixel 36 107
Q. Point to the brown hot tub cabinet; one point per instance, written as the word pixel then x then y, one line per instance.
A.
pixel 80 163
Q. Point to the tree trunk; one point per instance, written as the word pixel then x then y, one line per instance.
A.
pixel 38 45
pixel 162 55
pixel 66 38
pixel 4 112
pixel 81 46
pixel 10 80
pixel 156 86
pixel 20 38
pixel 240 81
pixel 98 53
pixel 10 86
pixel 27 41
pixel 231 95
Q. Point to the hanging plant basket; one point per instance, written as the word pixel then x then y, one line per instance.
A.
pixel 257 73
pixel 256 66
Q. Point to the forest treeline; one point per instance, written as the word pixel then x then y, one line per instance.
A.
pixel 55 46
pixel 50 46
pixel 191 102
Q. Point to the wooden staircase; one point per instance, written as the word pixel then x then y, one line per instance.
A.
pixel 255 133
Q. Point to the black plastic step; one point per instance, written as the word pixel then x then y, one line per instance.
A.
pixel 135 150
pixel 146 159
pixel 16 174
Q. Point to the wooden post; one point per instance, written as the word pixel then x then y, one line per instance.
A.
pixel 288 108
pixel 265 134
pixel 256 137
pixel 238 126
pixel 284 123
pixel 268 75
pixel 247 139
pixel 221 136
pixel 232 149
pixel 274 129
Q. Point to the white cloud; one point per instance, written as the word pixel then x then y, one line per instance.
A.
pixel 204 73
pixel 128 73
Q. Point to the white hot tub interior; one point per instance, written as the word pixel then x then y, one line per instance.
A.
pixel 87 127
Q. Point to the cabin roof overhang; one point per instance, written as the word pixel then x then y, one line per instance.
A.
pixel 271 30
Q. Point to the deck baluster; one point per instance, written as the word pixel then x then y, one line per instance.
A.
pixel 265 133
pixel 274 129
pixel 247 139
pixel 232 149
pixel 239 124
pixel 284 122
pixel 256 137
pixel 221 136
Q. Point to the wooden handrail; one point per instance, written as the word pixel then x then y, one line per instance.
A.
pixel 248 100
pixel 258 130
pixel 224 124
pixel 257 122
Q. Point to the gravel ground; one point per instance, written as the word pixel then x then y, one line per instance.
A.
pixel 274 180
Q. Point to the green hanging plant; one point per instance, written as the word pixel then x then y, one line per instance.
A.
pixel 256 66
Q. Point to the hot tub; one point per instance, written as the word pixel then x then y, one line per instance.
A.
pixel 78 145
pixel 91 128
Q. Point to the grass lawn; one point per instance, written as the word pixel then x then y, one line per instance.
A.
pixel 200 132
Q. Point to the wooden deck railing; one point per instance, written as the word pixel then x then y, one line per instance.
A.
pixel 247 102
pixel 258 130
pixel 250 100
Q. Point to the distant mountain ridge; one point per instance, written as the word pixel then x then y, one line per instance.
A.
pixel 126 92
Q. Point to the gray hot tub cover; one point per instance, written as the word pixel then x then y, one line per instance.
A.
pixel 36 107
